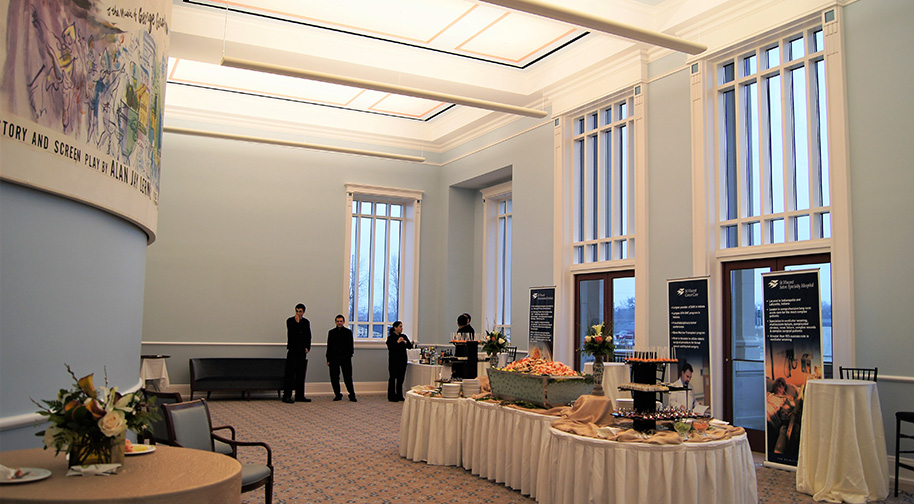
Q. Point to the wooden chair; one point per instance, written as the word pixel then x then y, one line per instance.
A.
pixel 190 426
pixel 512 354
pixel 902 416
pixel 850 373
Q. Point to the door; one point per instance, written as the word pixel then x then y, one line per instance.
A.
pixel 599 294
pixel 744 356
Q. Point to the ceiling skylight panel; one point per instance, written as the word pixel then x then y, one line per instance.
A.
pixel 514 37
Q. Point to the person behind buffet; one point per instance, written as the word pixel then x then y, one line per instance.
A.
pixel 397 345
pixel 464 327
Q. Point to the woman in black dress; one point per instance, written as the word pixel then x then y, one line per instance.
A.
pixel 397 344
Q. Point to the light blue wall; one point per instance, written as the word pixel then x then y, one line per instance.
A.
pixel 71 292
pixel 530 156
pixel 248 230
pixel 669 180
pixel 880 71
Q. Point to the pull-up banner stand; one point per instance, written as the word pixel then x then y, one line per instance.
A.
pixel 542 321
pixel 793 355
pixel 689 342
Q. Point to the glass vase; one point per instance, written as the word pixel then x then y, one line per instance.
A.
pixel 493 360
pixel 598 376
pixel 109 450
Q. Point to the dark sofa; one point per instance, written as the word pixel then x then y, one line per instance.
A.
pixel 236 374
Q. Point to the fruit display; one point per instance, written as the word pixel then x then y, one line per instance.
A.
pixel 544 383
pixel 543 367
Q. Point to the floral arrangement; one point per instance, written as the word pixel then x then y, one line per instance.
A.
pixel 495 343
pixel 599 340
pixel 91 418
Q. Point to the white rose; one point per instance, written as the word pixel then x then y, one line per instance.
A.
pixel 113 423
pixel 49 433
pixel 501 341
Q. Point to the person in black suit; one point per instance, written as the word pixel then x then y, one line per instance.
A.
pixel 397 345
pixel 463 325
pixel 297 347
pixel 339 358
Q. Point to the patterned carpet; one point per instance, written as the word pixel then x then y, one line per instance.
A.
pixel 343 452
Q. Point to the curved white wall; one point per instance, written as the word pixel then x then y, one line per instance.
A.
pixel 71 291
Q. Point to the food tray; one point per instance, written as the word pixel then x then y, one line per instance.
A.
pixel 545 391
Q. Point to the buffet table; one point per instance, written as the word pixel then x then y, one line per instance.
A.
pixel 842 454
pixel 504 444
pixel 582 469
pixel 168 475
pixel 431 429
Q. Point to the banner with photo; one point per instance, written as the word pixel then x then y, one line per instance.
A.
pixel 83 94
pixel 690 343
pixel 542 322
pixel 793 355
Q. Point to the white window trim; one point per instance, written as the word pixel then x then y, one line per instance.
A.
pixel 411 200
pixel 491 196
pixel 564 268
pixel 706 253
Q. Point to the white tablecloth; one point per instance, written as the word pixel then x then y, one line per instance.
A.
pixel 431 429
pixel 576 469
pixel 154 369
pixel 504 444
pixel 424 374
pixel 842 442
pixel 614 374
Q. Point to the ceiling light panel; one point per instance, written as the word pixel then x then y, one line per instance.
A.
pixel 207 75
pixel 460 27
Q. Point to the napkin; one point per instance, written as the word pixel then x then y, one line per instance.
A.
pixel 93 470
pixel 8 473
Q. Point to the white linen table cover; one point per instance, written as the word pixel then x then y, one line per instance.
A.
pixel 423 374
pixel 154 369
pixel 614 374
pixel 504 444
pixel 576 469
pixel 431 429
pixel 842 454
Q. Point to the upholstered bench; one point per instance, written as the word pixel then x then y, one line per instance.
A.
pixel 236 374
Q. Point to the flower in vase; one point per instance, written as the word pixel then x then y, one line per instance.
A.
pixel 85 414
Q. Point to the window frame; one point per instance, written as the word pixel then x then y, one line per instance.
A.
pixel 409 257
pixel 492 197
pixel 603 229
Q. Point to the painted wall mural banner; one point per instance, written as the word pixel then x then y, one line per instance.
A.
pixel 82 94
pixel 542 322
pixel 793 355
pixel 689 342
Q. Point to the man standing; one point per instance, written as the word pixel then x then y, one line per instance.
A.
pixel 339 358
pixel 297 348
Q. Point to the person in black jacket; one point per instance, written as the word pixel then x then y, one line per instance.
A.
pixel 397 344
pixel 339 358
pixel 297 347
pixel 464 327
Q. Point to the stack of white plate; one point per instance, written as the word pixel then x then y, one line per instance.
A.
pixel 470 387
pixel 450 390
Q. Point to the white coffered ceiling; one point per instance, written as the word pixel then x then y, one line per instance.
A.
pixel 460 47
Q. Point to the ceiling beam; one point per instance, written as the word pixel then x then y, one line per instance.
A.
pixel 601 24
pixel 289 143
pixel 379 86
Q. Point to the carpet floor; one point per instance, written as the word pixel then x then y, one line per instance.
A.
pixel 344 452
